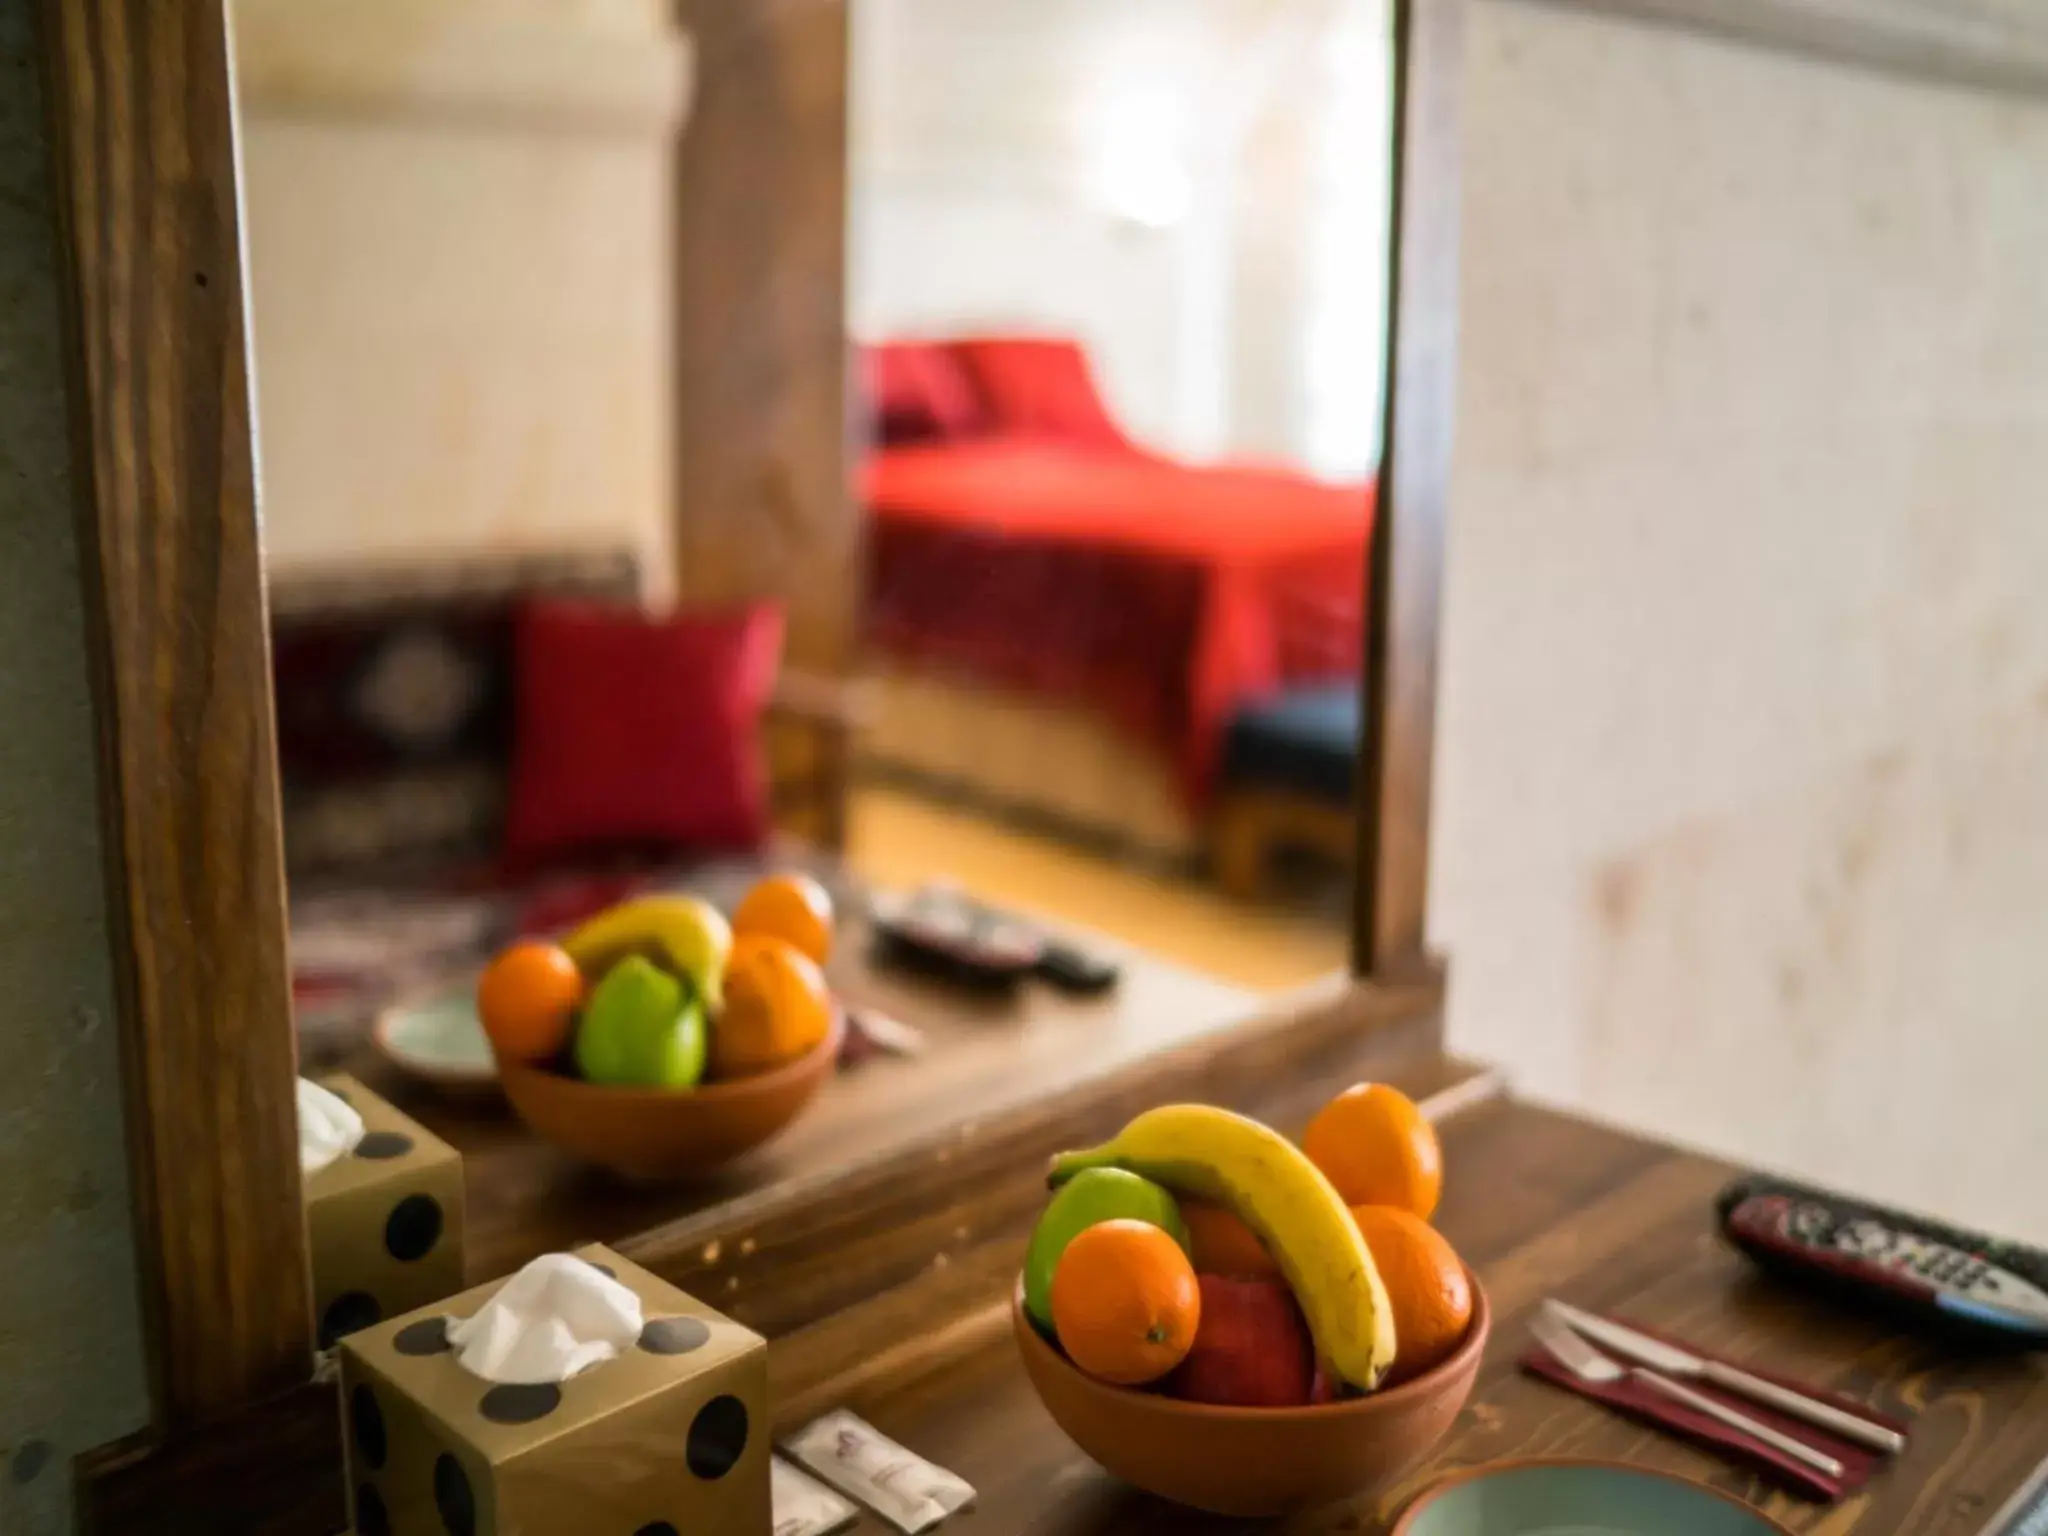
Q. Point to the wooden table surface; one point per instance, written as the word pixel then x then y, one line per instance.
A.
pixel 1543 1204
pixel 983 1056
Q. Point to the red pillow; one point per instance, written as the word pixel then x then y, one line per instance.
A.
pixel 917 392
pixel 1039 387
pixel 639 731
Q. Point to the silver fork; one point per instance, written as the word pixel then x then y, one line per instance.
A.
pixel 1587 1363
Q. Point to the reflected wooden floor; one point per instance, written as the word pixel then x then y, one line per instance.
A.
pixel 900 839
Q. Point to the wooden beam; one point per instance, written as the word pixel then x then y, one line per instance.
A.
pixel 1946 41
pixel 142 126
pixel 763 503
pixel 1397 751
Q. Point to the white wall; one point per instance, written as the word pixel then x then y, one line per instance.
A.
pixel 73 1369
pixel 1743 803
pixel 1152 176
pixel 458 216
pixel 953 257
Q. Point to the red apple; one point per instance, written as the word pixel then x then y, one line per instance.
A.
pixel 1326 1386
pixel 1251 1349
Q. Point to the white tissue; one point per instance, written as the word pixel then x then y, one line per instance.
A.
pixel 556 1317
pixel 328 1128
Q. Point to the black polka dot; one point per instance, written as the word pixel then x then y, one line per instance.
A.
pixel 520 1403
pixel 657 1528
pixel 366 1422
pixel 345 1314
pixel 429 1336
pixel 453 1497
pixel 413 1228
pixel 674 1335
pixel 718 1437
pixel 372 1518
pixel 381 1146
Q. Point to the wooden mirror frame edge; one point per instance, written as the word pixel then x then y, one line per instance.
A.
pixel 1405 556
pixel 145 180
pixel 139 97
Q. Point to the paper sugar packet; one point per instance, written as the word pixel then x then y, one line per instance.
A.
pixel 859 1460
pixel 803 1505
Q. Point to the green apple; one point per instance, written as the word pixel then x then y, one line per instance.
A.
pixel 630 1013
pixel 673 1056
pixel 1093 1195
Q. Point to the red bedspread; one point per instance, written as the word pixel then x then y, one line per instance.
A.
pixel 1165 594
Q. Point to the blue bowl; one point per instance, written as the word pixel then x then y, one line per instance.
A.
pixel 1576 1498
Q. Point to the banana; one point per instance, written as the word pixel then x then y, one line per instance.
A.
pixel 685 933
pixel 1276 1191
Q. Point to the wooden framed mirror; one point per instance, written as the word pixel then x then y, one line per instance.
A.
pixel 760 121
pixel 145 193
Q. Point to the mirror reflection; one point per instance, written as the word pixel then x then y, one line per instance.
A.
pixel 561 743
pixel 1117 290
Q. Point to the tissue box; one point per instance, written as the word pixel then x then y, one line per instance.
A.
pixel 385 1222
pixel 671 1437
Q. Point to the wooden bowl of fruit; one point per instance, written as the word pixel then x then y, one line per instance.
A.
pixel 1220 1321
pixel 662 1041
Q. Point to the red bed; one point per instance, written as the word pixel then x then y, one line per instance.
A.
pixel 1033 548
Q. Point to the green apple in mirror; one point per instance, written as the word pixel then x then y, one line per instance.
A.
pixel 674 1057
pixel 641 1029
pixel 1097 1194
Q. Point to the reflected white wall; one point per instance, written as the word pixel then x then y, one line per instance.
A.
pixel 1195 188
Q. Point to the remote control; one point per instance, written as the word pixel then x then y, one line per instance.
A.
pixel 939 932
pixel 943 933
pixel 1992 1291
pixel 1076 970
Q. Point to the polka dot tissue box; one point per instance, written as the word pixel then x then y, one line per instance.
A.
pixel 383 1208
pixel 580 1395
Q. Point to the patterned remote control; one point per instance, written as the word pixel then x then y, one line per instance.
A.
pixel 1967 1282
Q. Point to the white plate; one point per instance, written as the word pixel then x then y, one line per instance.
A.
pixel 439 1040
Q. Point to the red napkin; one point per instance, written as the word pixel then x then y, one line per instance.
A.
pixel 1631 1397
pixel 870 1034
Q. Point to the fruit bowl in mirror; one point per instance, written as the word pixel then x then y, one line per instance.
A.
pixel 659 1038
pixel 665 1135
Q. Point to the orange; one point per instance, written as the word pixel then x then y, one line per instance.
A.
pixel 1125 1302
pixel 777 1007
pixel 791 907
pixel 1426 1285
pixel 527 999
pixel 1223 1245
pixel 1374 1145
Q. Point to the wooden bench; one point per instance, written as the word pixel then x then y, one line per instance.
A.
pixel 1286 783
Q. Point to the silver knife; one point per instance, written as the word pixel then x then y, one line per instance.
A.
pixel 1588 1364
pixel 1673 1361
